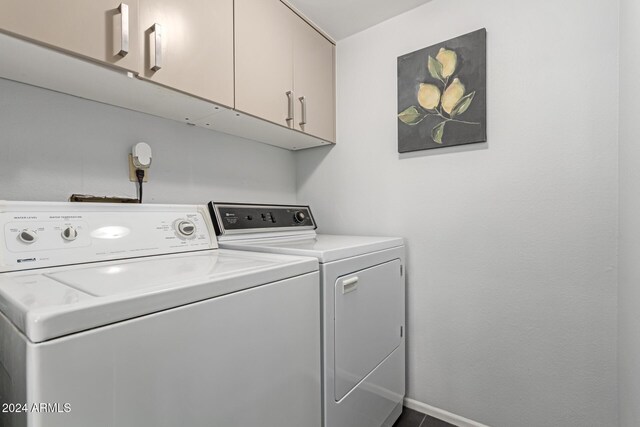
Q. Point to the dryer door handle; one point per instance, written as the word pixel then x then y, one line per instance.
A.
pixel 349 285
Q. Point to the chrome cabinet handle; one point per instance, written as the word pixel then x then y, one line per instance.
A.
pixel 124 29
pixel 290 108
pixel 157 50
pixel 303 101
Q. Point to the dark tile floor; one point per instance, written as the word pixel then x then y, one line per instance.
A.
pixel 411 418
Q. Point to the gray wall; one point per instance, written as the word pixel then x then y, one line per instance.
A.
pixel 53 145
pixel 511 244
pixel 629 250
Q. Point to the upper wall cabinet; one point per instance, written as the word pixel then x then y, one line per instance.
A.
pixel 313 82
pixel 264 60
pixel 103 30
pixel 251 68
pixel 284 68
pixel 188 45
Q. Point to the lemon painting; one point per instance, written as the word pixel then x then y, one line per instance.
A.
pixel 442 94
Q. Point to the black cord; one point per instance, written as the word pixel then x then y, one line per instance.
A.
pixel 140 176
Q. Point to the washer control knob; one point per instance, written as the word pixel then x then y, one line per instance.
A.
pixel 299 217
pixel 69 234
pixel 28 236
pixel 186 228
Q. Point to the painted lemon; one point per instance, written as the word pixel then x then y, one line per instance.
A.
pixel 449 60
pixel 452 95
pixel 428 96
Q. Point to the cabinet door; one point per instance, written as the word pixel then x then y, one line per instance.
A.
pixel 264 59
pixel 314 82
pixel 97 29
pixel 188 46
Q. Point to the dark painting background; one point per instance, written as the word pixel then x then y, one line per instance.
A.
pixel 470 69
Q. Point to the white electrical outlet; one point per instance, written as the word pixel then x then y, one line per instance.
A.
pixel 132 172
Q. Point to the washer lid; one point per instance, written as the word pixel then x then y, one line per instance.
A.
pixel 325 247
pixel 64 300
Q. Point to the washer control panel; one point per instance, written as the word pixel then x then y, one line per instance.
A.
pixel 49 234
pixel 32 232
pixel 233 218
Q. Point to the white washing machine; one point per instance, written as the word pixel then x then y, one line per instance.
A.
pixel 129 316
pixel 363 306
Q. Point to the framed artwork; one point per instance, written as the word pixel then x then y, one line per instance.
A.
pixel 442 94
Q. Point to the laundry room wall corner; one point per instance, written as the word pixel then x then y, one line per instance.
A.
pixel 629 248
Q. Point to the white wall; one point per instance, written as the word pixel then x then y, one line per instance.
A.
pixel 53 145
pixel 511 244
pixel 629 250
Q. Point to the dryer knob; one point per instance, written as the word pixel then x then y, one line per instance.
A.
pixel 186 228
pixel 299 217
pixel 28 236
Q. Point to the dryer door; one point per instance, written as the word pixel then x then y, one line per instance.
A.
pixel 368 320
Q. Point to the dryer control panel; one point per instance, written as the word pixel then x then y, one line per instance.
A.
pixel 236 218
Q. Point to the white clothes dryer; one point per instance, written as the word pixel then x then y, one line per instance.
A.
pixel 363 305
pixel 129 316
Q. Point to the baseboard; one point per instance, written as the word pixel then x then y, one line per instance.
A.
pixel 441 414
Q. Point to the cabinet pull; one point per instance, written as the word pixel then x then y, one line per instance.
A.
pixel 290 106
pixel 303 101
pixel 124 29
pixel 157 49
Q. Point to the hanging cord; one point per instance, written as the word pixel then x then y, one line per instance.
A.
pixel 140 176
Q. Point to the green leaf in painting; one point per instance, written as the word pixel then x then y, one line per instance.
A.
pixel 437 132
pixel 411 116
pixel 463 104
pixel 435 68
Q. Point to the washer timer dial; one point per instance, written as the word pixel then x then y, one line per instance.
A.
pixel 185 228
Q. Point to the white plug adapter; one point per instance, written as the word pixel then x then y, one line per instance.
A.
pixel 141 155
